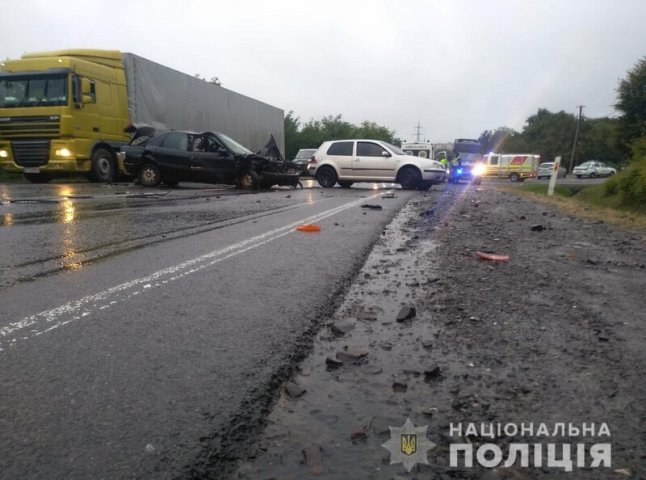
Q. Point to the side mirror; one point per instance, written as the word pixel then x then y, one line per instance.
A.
pixel 384 153
pixel 87 95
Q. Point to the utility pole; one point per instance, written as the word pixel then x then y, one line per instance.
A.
pixel 418 130
pixel 576 138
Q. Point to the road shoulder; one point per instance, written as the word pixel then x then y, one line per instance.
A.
pixel 552 335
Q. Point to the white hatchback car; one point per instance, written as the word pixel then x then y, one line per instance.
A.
pixel 349 161
pixel 593 169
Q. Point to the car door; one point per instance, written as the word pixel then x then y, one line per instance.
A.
pixel 172 156
pixel 603 169
pixel 211 163
pixel 373 162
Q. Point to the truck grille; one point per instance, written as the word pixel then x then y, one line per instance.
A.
pixel 22 127
pixel 30 153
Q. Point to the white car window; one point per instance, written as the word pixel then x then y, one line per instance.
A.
pixel 369 149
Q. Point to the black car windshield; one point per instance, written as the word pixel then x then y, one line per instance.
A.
pixel 33 91
pixel 231 145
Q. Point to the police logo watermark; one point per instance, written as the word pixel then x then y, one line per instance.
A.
pixel 408 445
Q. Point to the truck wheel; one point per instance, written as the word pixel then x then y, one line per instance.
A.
pixel 409 178
pixel 326 176
pixel 149 175
pixel 514 177
pixel 38 177
pixel 103 166
pixel 345 184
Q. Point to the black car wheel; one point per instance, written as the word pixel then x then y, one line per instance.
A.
pixel 149 175
pixel 326 176
pixel 593 174
pixel 409 178
pixel 103 169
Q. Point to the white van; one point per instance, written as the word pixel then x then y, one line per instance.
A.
pixel 515 166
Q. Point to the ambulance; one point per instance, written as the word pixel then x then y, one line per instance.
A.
pixel 515 166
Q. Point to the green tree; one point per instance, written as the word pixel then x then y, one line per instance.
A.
pixel 371 130
pixel 546 133
pixel 291 135
pixel 313 133
pixel 496 140
pixel 599 141
pixel 631 102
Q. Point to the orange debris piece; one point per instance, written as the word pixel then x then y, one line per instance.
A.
pixel 493 258
pixel 309 227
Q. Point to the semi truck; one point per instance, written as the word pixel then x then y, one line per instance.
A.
pixel 70 111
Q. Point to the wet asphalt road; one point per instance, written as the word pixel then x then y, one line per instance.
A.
pixel 143 332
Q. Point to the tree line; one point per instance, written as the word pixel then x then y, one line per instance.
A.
pixel 313 133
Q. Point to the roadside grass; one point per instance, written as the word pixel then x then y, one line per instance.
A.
pixel 591 201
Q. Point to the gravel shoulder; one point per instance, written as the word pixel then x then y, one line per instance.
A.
pixel 555 334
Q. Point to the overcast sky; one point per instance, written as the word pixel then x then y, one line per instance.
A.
pixel 458 67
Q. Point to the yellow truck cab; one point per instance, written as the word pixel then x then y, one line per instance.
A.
pixel 61 112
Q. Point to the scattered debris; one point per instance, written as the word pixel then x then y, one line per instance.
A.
pixel 371 206
pixel 624 471
pixel 400 386
pixel 406 313
pixel 370 369
pixel 537 228
pixel 388 195
pixel 333 362
pixel 342 327
pixel 432 372
pixel 309 227
pixel 359 434
pixel 351 355
pixel 492 257
pixel 294 390
pixel 314 459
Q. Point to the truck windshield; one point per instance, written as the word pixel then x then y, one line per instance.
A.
pixel 33 91
pixel 467 146
pixel 233 146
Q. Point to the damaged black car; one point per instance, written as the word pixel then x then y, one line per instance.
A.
pixel 205 157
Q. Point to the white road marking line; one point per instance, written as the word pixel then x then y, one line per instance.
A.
pixel 64 314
